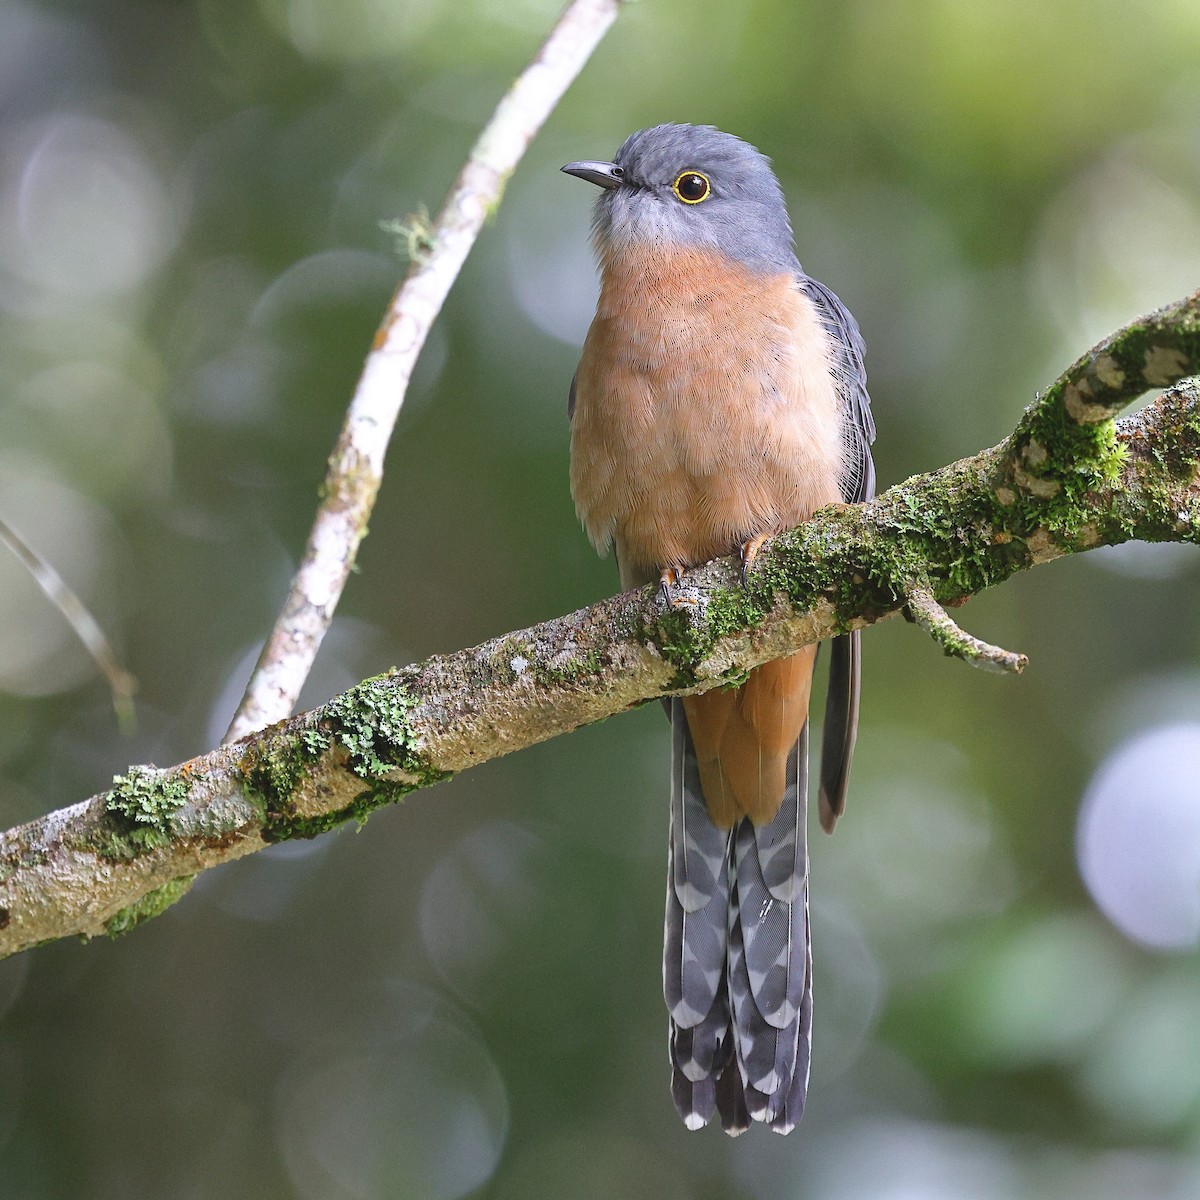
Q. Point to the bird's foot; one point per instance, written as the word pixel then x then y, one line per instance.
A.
pixel 748 552
pixel 671 578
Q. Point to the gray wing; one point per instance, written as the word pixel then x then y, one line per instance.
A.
pixel 858 484
pixel 858 426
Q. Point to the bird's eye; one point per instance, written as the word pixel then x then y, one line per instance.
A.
pixel 692 187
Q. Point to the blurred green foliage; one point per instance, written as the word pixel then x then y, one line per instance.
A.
pixel 464 998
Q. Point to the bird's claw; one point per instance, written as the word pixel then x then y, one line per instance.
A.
pixel 748 552
pixel 672 577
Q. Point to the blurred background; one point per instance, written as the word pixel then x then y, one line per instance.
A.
pixel 463 999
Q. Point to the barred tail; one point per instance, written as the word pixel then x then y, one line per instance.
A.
pixel 737 973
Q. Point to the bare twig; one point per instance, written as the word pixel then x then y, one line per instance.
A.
pixel 76 614
pixel 937 622
pixel 356 464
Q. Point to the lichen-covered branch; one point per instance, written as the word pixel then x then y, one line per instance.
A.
pixel 438 251
pixel 122 856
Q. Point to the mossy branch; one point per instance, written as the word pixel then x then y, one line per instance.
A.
pixel 1064 482
pixel 940 626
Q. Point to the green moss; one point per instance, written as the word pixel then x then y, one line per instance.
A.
pixel 515 657
pixel 146 796
pixel 682 641
pixel 371 723
pixel 275 768
pixel 686 635
pixel 1060 459
pixel 579 668
pixel 138 812
pixel 281 827
pixel 1064 461
pixel 414 237
pixel 807 567
pixel 150 905
pixel 128 845
pixel 860 562
pixel 1176 431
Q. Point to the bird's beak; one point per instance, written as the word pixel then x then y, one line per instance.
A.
pixel 602 174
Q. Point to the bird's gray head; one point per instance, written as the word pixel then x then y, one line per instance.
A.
pixel 691 185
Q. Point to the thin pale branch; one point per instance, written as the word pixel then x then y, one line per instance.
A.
pixel 437 251
pixel 124 855
pixel 87 629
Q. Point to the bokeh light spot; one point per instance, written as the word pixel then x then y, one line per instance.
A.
pixel 909 1161
pixel 1143 1073
pixel 349 30
pixel 472 897
pixel 1043 993
pixel 82 209
pixel 1138 837
pixel 421 1117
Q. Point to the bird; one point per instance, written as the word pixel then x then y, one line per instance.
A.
pixel 720 398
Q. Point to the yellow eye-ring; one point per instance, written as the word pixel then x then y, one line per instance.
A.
pixel 692 187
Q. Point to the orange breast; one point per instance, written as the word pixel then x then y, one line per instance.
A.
pixel 705 410
pixel 706 414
